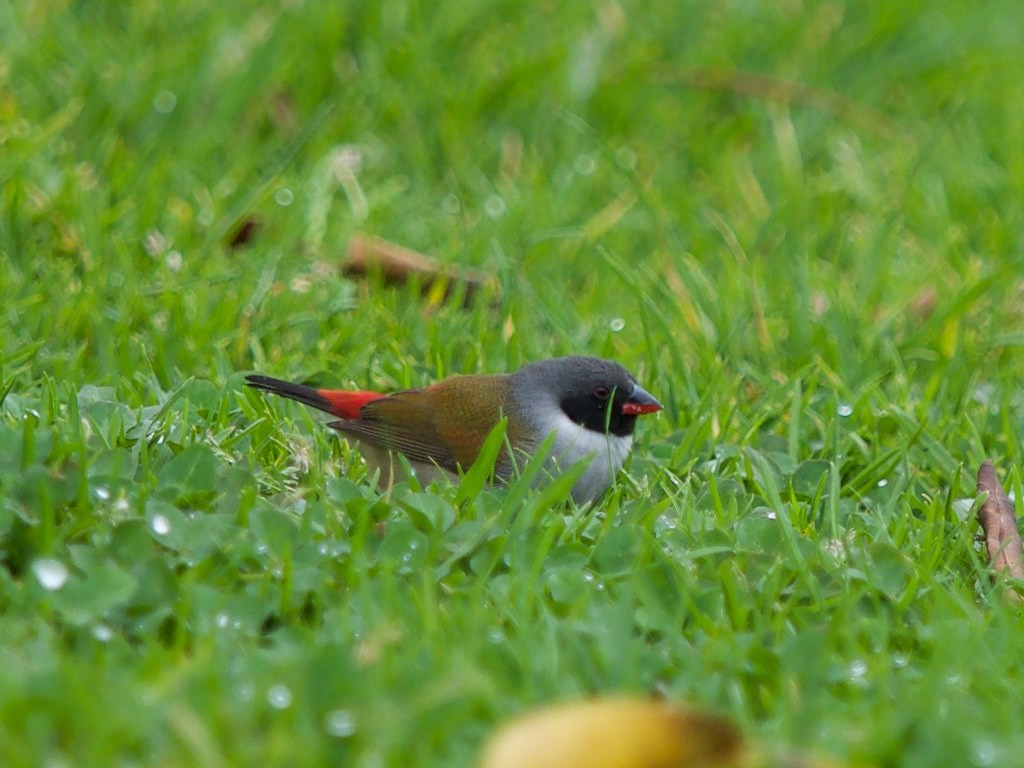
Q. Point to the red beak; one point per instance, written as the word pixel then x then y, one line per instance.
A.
pixel 640 402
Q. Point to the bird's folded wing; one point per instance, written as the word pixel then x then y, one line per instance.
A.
pixel 403 423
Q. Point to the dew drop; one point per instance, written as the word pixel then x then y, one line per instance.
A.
pixel 584 165
pixel 279 696
pixel 102 492
pixel 222 620
pixel 616 324
pixel 161 525
pixel 340 723
pixel 495 636
pixel 985 394
pixel 882 483
pixel 983 752
pixel 899 661
pixel 858 669
pixel 284 197
pixel 844 410
pixel 51 574
pixel 451 205
pixel 588 577
pixel 165 102
pixel 665 523
pixel 494 206
pixel 626 158
pixel 103 633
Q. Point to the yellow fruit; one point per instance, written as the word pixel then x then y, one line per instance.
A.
pixel 615 733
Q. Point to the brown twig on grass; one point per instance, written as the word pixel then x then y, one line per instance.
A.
pixel 397 264
pixel 998 521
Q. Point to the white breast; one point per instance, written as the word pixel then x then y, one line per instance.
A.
pixel 604 454
pixel 573 444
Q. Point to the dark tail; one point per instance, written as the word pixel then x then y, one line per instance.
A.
pixel 305 395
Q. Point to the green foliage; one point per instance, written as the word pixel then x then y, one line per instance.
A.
pixel 819 273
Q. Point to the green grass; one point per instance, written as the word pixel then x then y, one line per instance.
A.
pixel 826 294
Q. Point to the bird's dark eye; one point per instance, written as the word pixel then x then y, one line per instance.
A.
pixel 602 393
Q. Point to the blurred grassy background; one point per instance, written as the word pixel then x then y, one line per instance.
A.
pixel 797 223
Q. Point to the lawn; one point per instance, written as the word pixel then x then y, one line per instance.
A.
pixel 799 225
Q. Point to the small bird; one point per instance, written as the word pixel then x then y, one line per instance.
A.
pixel 589 405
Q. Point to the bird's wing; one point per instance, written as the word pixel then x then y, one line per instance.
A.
pixel 436 425
pixel 469 412
pixel 402 422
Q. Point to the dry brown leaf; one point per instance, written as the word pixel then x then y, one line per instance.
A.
pixel 397 264
pixel 998 521
pixel 282 111
pixel 630 732
pixel 244 232
pixel 922 306
pixel 615 732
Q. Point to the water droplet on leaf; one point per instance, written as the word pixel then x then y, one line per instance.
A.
pixel 494 206
pixel 626 158
pixel 451 205
pixel 51 574
pixel 983 752
pixel 340 723
pixel 279 696
pixel 584 165
pixel 858 669
pixel 165 102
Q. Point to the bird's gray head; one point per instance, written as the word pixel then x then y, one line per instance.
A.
pixel 597 394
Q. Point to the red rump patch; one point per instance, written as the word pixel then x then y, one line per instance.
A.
pixel 346 405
